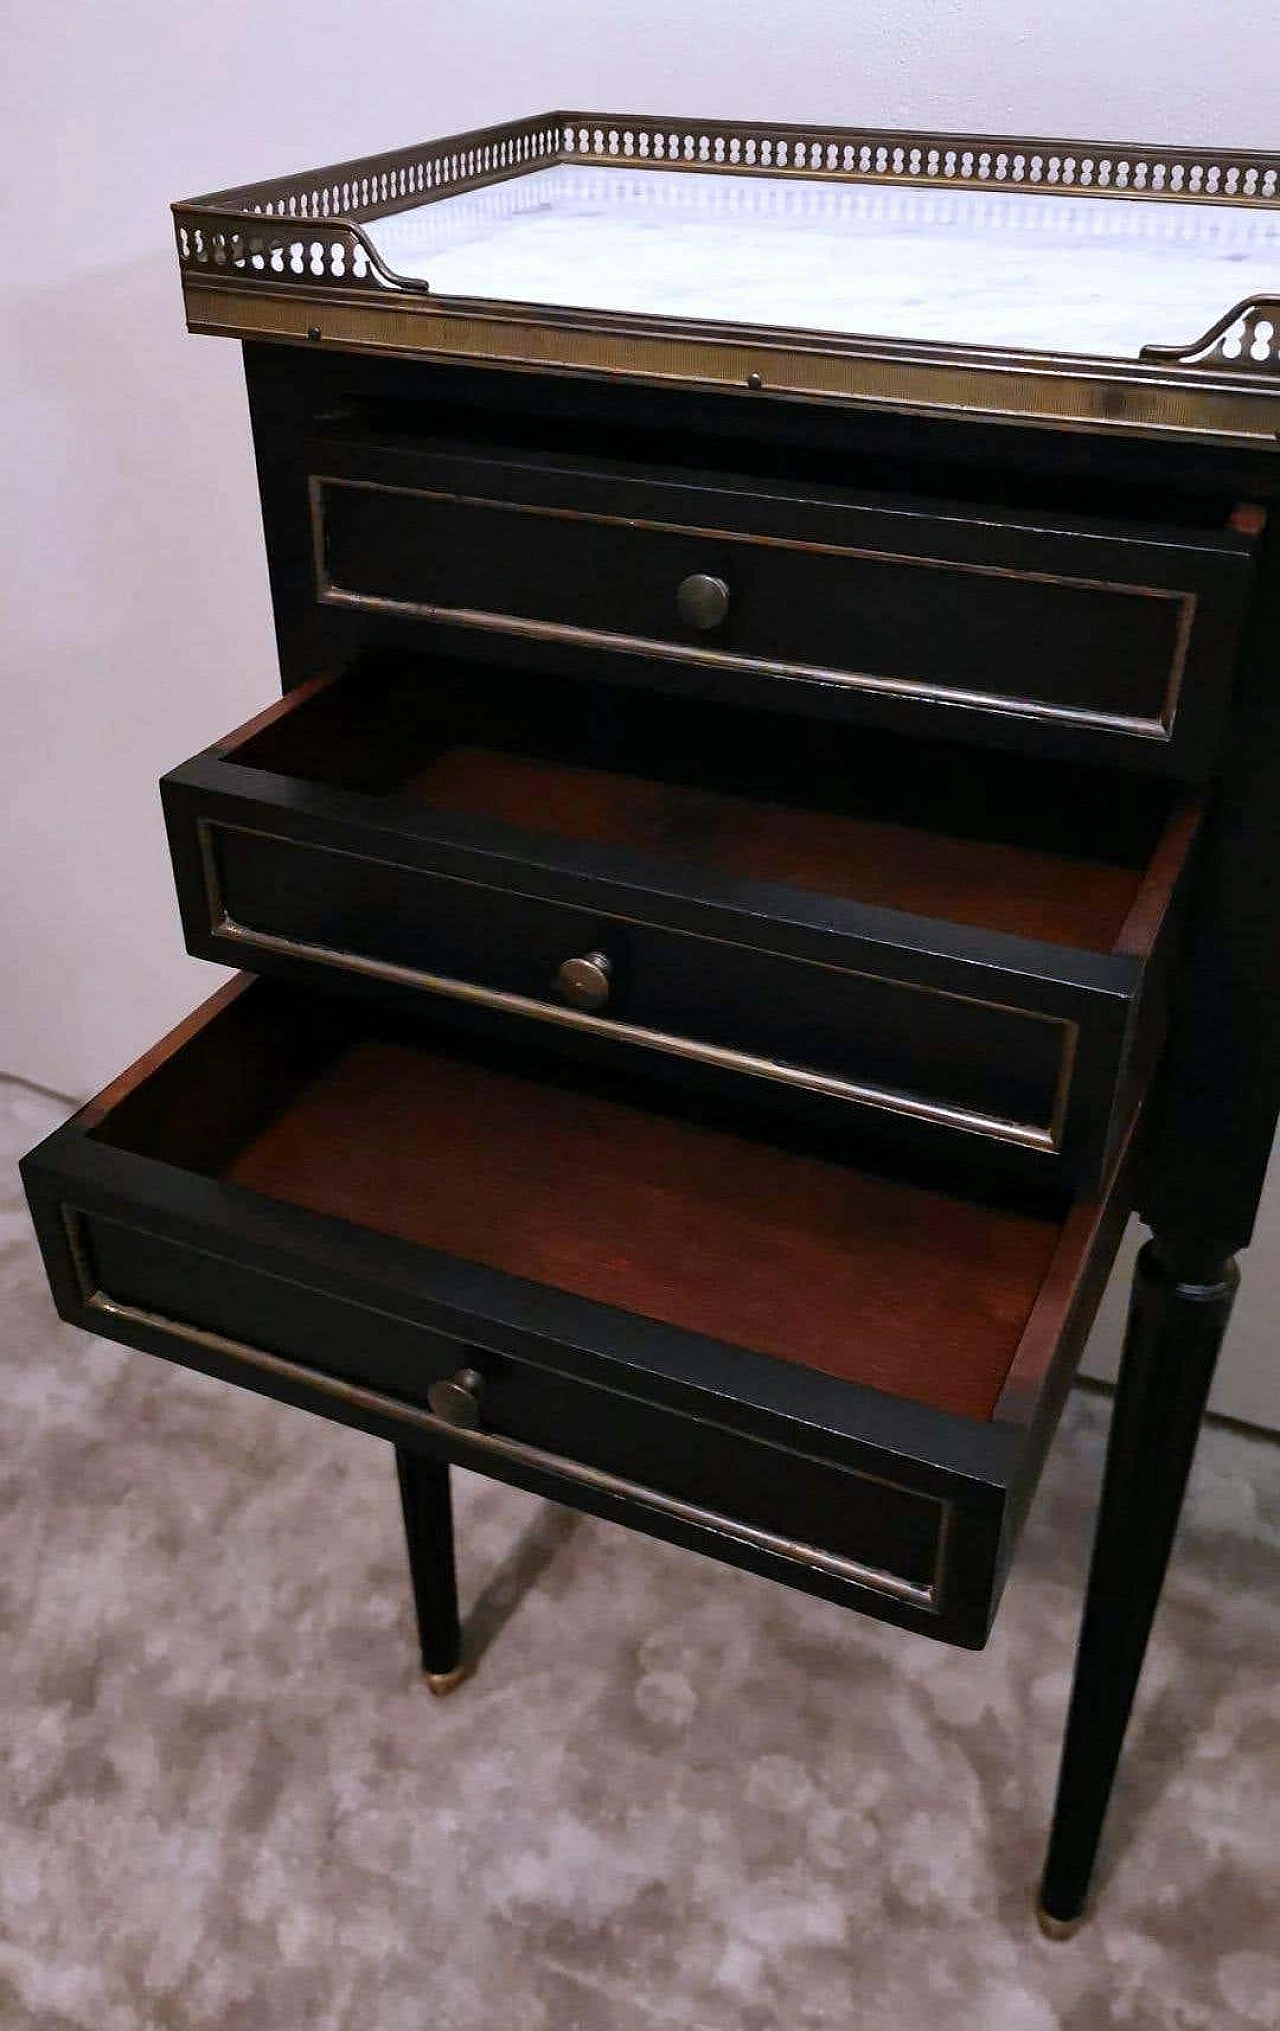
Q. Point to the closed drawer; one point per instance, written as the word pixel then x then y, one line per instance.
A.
pixel 1066 634
pixel 962 947
pixel 822 1372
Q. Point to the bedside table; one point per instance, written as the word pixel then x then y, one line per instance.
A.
pixel 764 861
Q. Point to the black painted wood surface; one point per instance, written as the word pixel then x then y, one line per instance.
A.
pixel 418 511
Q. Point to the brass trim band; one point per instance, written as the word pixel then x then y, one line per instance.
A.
pixel 1227 406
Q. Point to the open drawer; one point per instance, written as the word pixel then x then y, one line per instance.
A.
pixel 823 1372
pixel 966 945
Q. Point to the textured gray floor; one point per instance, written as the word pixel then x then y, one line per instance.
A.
pixel 673 1796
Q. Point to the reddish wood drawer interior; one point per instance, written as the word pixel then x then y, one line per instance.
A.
pixel 1042 851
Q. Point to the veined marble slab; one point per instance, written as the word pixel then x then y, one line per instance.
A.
pixel 967 267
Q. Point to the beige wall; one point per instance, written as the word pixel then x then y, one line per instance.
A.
pixel 136 623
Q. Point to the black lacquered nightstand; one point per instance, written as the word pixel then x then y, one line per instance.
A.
pixel 766 857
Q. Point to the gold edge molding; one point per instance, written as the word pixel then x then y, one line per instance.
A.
pixel 1046 1140
pixel 1067 394
pixel 493 621
pixel 358 1397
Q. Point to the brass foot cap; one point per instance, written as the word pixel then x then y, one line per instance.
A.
pixel 1058 1928
pixel 442 1682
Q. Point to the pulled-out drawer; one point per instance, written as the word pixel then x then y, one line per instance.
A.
pixel 1069 634
pixel 967 945
pixel 820 1371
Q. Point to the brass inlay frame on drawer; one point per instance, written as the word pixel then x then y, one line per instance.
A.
pixel 377 1404
pixel 493 621
pixel 971 1121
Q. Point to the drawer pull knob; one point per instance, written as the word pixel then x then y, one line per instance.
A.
pixel 585 982
pixel 702 601
pixel 456 1399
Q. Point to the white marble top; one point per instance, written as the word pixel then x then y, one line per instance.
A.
pixel 1002 268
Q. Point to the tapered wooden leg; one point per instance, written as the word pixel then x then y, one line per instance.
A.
pixel 1178 1315
pixel 428 1529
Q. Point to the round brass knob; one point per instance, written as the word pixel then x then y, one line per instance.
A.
pixel 585 982
pixel 702 601
pixel 456 1399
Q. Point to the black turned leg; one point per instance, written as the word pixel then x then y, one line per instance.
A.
pixel 1177 1317
pixel 428 1529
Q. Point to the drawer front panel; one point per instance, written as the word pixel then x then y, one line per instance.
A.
pixel 806 610
pixel 976 1065
pixel 866 1529
pixel 1073 632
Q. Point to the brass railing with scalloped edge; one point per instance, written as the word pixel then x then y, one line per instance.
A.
pixel 303 236
pixel 256 230
pixel 957 161
pixel 1247 338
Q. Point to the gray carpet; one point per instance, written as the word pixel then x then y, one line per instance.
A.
pixel 672 1796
